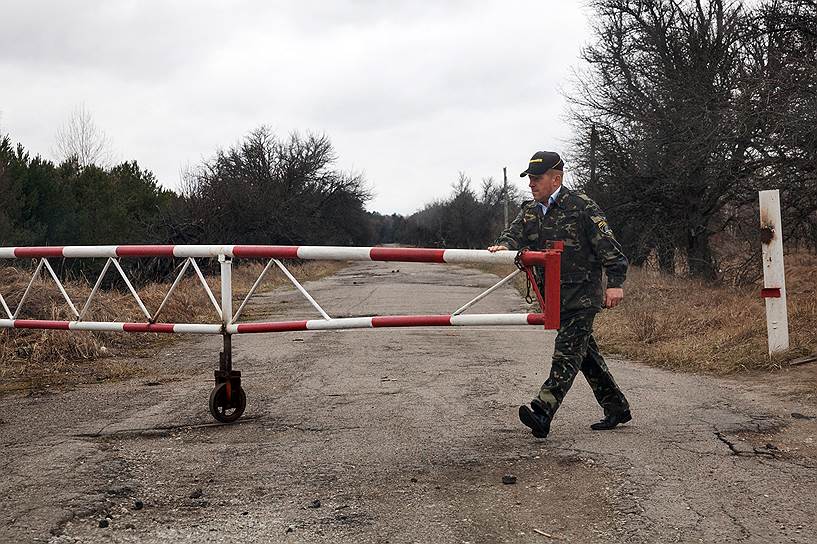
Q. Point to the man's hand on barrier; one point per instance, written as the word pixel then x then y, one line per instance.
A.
pixel 494 249
pixel 613 296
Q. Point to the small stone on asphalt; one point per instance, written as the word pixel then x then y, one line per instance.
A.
pixel 315 504
pixel 509 479
pixel 103 523
pixel 138 505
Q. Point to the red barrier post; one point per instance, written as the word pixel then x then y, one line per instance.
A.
pixel 553 273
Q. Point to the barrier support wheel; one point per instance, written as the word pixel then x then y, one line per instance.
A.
pixel 227 400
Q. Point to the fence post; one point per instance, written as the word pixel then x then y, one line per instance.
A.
pixel 774 278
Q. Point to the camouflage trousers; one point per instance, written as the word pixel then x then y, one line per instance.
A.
pixel 576 350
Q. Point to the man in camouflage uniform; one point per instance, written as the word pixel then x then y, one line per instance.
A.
pixel 557 213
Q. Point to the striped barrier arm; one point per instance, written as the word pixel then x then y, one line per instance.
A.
pixel 337 253
pixel 549 299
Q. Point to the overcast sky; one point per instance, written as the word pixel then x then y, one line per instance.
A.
pixel 409 92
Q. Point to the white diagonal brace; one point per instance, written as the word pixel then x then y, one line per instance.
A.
pixel 94 290
pixel 252 290
pixel 484 294
pixel 206 287
pixel 170 291
pixel 301 289
pixel 60 287
pixel 132 290
pixel 28 289
pixel 5 307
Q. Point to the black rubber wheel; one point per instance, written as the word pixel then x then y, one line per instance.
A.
pixel 223 411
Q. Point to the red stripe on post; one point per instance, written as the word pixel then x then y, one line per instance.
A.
pixel 536 319
pixel 770 292
pixel 272 252
pixel 147 327
pixel 40 324
pixel 407 254
pixel 43 251
pixel 144 251
pixel 411 321
pixel 279 326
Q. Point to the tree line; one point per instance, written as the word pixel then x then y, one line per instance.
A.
pixel 468 218
pixel 266 190
pixel 43 203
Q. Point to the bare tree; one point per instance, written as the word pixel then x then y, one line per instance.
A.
pixel 81 140
pixel 787 54
pixel 662 108
pixel 268 189
pixel 684 109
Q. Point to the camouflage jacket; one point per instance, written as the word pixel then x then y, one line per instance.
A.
pixel 589 246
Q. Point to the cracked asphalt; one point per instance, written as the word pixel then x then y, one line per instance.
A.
pixel 404 435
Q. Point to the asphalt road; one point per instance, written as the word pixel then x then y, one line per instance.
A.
pixel 404 435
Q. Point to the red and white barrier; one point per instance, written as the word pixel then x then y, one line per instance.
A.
pixel 334 253
pixel 228 325
pixel 373 322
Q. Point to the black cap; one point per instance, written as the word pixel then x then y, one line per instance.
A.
pixel 541 162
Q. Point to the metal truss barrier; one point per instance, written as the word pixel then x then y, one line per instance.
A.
pixel 228 400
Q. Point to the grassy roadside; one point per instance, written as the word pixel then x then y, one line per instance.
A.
pixel 33 359
pixel 684 324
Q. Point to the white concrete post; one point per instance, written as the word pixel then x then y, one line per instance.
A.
pixel 774 278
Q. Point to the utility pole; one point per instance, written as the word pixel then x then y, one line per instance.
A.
pixel 505 192
pixel 594 137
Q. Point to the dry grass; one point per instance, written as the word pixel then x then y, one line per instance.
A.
pixel 681 323
pixel 35 358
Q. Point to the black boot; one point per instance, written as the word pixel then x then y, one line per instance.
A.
pixel 611 421
pixel 538 419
